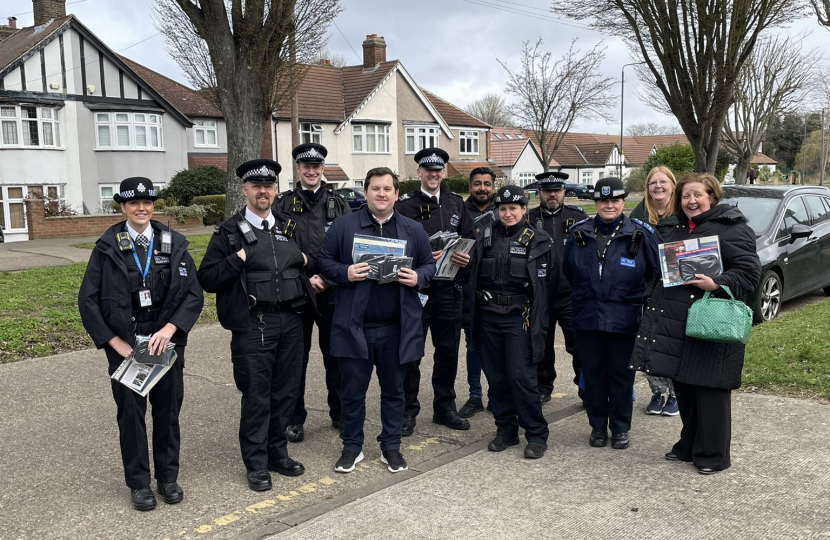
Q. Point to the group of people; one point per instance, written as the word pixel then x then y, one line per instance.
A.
pixel 285 263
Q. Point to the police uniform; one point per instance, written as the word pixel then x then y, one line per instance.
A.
pixel 259 300
pixel 609 266
pixel 314 212
pixel 137 284
pixel 513 279
pixel 442 313
pixel 557 224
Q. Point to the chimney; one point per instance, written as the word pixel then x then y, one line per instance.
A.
pixel 13 23
pixel 7 31
pixel 46 10
pixel 374 51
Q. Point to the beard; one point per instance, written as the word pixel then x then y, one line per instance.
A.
pixel 552 205
pixel 483 197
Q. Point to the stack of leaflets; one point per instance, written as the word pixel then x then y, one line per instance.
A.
pixel 441 239
pixel 141 376
pixel 444 267
pixel 680 261
pixel 385 256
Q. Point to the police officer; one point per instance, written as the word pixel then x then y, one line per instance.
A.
pixel 314 207
pixel 437 208
pixel 141 280
pixel 254 265
pixel 514 277
pixel 556 218
pixel 609 261
pixel 483 213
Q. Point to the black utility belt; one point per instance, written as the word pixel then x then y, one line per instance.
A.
pixel 146 315
pixel 486 297
pixel 273 307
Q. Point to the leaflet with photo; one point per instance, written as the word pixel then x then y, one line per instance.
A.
pixel 444 267
pixel 680 261
pixel 141 378
pixel 375 245
pixel 142 355
pixel 390 267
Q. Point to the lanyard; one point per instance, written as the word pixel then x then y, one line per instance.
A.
pixel 147 264
pixel 608 243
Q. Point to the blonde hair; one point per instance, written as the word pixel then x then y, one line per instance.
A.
pixel 710 183
pixel 651 208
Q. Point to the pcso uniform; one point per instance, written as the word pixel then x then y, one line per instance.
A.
pixel 609 266
pixel 442 312
pixel 557 224
pixel 513 278
pixel 259 300
pixel 314 212
pixel 136 284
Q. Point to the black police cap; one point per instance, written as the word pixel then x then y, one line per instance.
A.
pixel 310 153
pixel 432 159
pixel 259 170
pixel 136 188
pixel 510 195
pixel 552 180
pixel 609 188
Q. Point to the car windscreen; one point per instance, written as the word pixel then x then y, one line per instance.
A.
pixel 759 211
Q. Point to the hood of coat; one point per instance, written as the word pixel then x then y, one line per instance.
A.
pixel 723 213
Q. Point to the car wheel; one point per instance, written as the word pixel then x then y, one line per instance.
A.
pixel 570 193
pixel 768 303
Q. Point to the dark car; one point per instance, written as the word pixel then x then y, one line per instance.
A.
pixel 353 196
pixel 581 191
pixel 792 230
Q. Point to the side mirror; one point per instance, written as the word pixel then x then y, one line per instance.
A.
pixel 800 231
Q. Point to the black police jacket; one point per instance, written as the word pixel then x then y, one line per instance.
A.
pixel 104 299
pixel 543 272
pixel 467 289
pixel 558 225
pixel 223 272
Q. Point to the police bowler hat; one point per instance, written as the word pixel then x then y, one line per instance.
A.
pixel 609 188
pixel 510 195
pixel 136 188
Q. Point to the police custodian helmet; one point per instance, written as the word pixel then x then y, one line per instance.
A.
pixel 510 194
pixel 609 188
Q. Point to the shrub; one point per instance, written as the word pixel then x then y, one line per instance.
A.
pixel 195 182
pixel 458 183
pixel 182 212
pixel 215 205
pixel 636 180
pixel 405 186
pixel 678 157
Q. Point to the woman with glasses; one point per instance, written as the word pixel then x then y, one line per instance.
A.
pixel 657 208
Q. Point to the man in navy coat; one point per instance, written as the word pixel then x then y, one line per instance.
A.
pixel 375 325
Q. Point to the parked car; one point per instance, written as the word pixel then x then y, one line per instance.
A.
pixel 581 191
pixel 792 230
pixel 353 196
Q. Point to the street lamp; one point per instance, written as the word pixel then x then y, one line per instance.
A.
pixel 622 104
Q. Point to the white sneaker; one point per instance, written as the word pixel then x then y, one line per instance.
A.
pixel 347 461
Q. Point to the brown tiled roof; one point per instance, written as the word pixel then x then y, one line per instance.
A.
pixel 505 153
pixel 358 84
pixel 452 114
pixel 333 173
pixel 188 101
pixel 763 159
pixel 594 153
pixel 25 40
pixel 464 168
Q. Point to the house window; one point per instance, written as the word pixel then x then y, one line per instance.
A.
pixel 370 139
pixel 526 178
pixel 418 138
pixel 587 177
pixel 358 183
pixel 311 133
pixel 601 175
pixel 469 142
pixel 29 126
pixel 106 192
pixel 509 138
pixel 496 135
pixel 205 133
pixel 128 131
pixel 12 211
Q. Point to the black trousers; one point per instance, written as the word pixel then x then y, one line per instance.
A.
pixel 507 359
pixel 329 363
pixel 267 360
pixel 166 400
pixel 707 425
pixel 384 355
pixel 605 357
pixel 561 311
pixel 442 317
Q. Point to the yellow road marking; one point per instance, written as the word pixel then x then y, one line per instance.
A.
pixel 203 529
pixel 308 488
pixel 557 396
pixel 327 481
pixel 224 520
pixel 261 505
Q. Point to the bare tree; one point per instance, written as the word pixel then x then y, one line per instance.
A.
pixel 693 53
pixel 551 94
pixel 773 81
pixel 490 109
pixel 336 60
pixel 822 9
pixel 649 129
pixel 241 51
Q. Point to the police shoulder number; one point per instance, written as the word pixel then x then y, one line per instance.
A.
pixel 643 224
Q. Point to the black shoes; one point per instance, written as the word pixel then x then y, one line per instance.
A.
pixel 671 456
pixel 286 467
pixel 706 470
pixel 407 426
pixel 500 444
pixel 619 441
pixel 544 397
pixel 337 424
pixel 452 420
pixel 394 460
pixel 143 499
pixel 469 409
pixel 598 438
pixel 295 432
pixel 347 461
pixel 171 492
pixel 259 480
pixel 535 450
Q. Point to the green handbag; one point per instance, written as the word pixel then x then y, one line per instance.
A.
pixel 722 320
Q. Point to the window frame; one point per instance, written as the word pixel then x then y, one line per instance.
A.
pixel 468 136
pixel 525 178
pixel 111 121
pixel 428 132
pixel 313 133
pixel 105 203
pixel 40 121
pixel 586 174
pixel 381 132
pixel 5 207
pixel 202 125
pixel 778 235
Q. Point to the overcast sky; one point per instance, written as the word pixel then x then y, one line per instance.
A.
pixel 450 47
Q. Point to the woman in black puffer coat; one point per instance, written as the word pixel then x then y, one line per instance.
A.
pixel 704 372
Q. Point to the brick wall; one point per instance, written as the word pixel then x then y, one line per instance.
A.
pixel 41 226
pixel 201 160
pixel 46 10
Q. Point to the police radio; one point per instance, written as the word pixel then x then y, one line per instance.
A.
pixel 634 244
pixel 330 215
pixel 166 241
pixel 247 231
pixel 568 224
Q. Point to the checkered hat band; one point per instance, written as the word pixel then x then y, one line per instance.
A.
pixel 309 154
pixel 262 171
pixel 430 159
pixel 130 193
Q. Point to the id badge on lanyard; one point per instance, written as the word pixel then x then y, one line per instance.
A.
pixel 145 299
pixel 600 270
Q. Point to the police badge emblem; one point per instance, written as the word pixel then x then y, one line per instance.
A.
pixel 606 190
